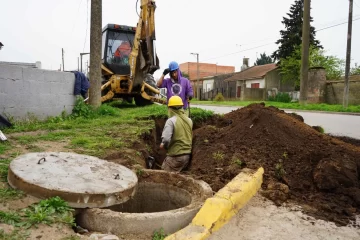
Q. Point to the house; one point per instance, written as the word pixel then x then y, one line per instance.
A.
pixel 213 85
pixel 207 83
pixel 257 82
pixel 206 70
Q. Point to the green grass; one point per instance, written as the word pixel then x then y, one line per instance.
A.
pixel 14 235
pixel 218 156
pixel 112 126
pixel 4 146
pixel 7 194
pixel 159 235
pixel 4 167
pixel 48 211
pixel 11 218
pixel 309 107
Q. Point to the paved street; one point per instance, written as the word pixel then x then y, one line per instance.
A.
pixel 336 124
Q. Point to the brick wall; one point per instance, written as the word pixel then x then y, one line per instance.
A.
pixel 205 69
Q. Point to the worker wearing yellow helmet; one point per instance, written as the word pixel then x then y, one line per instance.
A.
pixel 176 137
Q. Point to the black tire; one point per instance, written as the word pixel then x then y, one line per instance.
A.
pixel 4 122
pixel 140 101
pixel 128 99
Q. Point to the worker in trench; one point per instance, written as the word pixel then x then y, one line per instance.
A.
pixel 176 137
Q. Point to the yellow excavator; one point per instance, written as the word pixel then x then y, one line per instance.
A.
pixel 130 60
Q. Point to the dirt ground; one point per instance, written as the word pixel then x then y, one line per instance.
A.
pixel 318 171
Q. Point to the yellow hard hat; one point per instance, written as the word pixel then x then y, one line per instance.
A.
pixel 175 101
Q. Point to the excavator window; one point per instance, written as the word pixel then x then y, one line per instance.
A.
pixel 118 45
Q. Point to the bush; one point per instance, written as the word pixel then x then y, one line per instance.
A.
pixel 81 109
pixel 219 97
pixel 280 97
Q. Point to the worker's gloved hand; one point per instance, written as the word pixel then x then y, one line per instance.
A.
pixel 190 97
pixel 166 71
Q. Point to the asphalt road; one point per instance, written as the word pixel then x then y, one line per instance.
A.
pixel 335 124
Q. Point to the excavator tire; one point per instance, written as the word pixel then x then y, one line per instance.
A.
pixel 140 101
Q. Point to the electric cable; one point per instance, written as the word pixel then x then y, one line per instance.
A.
pixel 87 22
pixel 336 25
pixel 332 26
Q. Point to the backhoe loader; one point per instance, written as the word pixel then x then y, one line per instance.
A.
pixel 130 60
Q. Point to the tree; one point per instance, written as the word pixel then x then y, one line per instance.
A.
pixel 355 70
pixel 291 36
pixel 290 66
pixel 185 75
pixel 264 59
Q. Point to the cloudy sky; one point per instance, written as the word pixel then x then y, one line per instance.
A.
pixel 222 32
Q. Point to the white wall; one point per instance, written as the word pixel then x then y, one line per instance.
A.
pixel 208 85
pixel 35 91
pixel 261 81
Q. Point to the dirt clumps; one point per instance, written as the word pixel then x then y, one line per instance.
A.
pixel 301 164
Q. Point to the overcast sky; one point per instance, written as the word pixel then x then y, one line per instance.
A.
pixel 222 32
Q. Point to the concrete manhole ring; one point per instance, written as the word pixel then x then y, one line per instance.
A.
pixel 83 181
pixel 162 200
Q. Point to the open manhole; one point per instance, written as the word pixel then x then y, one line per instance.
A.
pixel 162 200
pixel 83 181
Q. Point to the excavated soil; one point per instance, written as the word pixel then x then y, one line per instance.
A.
pixel 302 165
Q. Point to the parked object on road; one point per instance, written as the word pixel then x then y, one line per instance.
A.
pixel 4 122
pixel 2 136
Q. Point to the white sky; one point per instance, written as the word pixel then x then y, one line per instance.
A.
pixel 36 30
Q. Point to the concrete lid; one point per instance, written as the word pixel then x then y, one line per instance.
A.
pixel 83 181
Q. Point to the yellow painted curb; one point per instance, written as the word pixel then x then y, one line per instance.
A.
pixel 219 209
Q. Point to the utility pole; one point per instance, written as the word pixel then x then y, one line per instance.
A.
pixel 62 52
pixel 304 75
pixel 81 60
pixel 348 55
pixel 197 73
pixel 95 56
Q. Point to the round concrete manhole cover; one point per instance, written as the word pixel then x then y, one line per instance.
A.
pixel 83 181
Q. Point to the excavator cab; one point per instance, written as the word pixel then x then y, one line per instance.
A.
pixel 130 60
pixel 117 43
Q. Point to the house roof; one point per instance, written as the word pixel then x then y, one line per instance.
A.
pixel 254 72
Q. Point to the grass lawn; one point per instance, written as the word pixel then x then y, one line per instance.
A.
pixel 112 128
pixel 310 107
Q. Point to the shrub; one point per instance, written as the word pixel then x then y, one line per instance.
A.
pixel 219 97
pixel 280 97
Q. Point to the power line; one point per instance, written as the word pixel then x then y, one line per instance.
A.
pixel 336 25
pixel 356 4
pixel 87 22
pixel 77 14
pixel 240 51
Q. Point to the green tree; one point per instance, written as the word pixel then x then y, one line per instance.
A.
pixel 355 70
pixel 185 75
pixel 264 59
pixel 290 66
pixel 291 36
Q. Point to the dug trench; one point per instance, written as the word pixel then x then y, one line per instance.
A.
pixel 319 172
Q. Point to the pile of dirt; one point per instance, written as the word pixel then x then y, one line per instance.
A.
pixel 313 169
